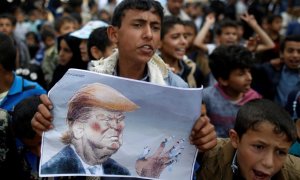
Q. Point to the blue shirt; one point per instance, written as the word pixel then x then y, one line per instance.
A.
pixel 20 89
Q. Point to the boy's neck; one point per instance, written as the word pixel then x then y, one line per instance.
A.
pixel 131 70
pixel 174 63
pixel 233 95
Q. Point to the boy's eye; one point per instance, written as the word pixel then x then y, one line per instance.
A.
pixel 258 147
pixel 281 153
pixel 156 28
pixel 137 25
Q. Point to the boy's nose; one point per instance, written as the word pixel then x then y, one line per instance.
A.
pixel 268 160
pixel 148 34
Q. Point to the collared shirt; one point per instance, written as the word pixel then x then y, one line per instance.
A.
pixel 98 169
pixel 289 80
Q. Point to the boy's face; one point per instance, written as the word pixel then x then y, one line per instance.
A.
pixel 6 26
pixel 190 35
pixel 174 6
pixel 49 41
pixel 239 81
pixel 291 54
pixel 174 43
pixel 67 27
pixel 138 37
pixel 261 153
pixel 228 36
pixel 276 25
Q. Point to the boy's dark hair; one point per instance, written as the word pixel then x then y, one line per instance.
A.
pixel 224 24
pixel 99 39
pixel 273 17
pixel 168 23
pixel 225 59
pixel 253 113
pixel 295 37
pixel 8 52
pixel 143 5
pixel 191 24
pixel 61 20
pixel 12 19
pixel 22 115
pixel 45 33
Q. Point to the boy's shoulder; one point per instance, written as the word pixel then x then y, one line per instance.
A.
pixel 291 168
pixel 216 163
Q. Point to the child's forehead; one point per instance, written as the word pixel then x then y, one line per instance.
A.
pixel 229 28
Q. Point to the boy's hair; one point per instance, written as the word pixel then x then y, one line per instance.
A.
pixel 273 17
pixel 99 39
pixel 61 20
pixel 253 113
pixel 295 38
pixel 143 5
pixel 225 59
pixel 225 24
pixel 168 23
pixel 12 19
pixel 45 33
pixel 191 24
pixel 8 52
pixel 22 115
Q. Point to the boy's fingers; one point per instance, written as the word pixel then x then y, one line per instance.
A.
pixel 46 101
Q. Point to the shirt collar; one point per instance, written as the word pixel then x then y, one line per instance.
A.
pixel 99 168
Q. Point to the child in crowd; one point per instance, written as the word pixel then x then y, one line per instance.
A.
pixel 13 88
pixel 257 148
pixel 274 81
pixel 99 46
pixel 227 34
pixel 64 25
pixel 230 65
pixel 28 142
pixel 173 49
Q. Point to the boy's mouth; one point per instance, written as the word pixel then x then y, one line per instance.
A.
pixel 258 175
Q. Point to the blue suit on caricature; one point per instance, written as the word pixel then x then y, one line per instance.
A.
pixel 67 162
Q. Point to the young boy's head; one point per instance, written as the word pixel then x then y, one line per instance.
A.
pixel 227 32
pixel 65 24
pixel 290 51
pixel 230 65
pixel 190 32
pixel 8 54
pixel 173 40
pixel 274 23
pixel 21 123
pixel 7 24
pixel 262 136
pixel 99 45
pixel 48 37
pixel 135 29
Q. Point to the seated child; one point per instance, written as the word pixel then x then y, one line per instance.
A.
pixel 258 146
pixel 230 66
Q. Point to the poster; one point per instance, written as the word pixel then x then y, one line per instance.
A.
pixel 152 125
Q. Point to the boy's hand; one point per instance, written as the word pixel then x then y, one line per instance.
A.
pixel 249 19
pixel 42 120
pixel 203 134
pixel 210 18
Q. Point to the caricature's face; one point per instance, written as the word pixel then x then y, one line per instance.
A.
pixel 261 153
pixel 104 128
pixel 291 54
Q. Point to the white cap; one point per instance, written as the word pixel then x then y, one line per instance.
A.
pixel 88 28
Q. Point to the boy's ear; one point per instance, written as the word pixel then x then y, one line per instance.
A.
pixel 96 52
pixel 234 138
pixel 223 82
pixel 112 33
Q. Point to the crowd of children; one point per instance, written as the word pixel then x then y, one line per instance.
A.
pixel 240 52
